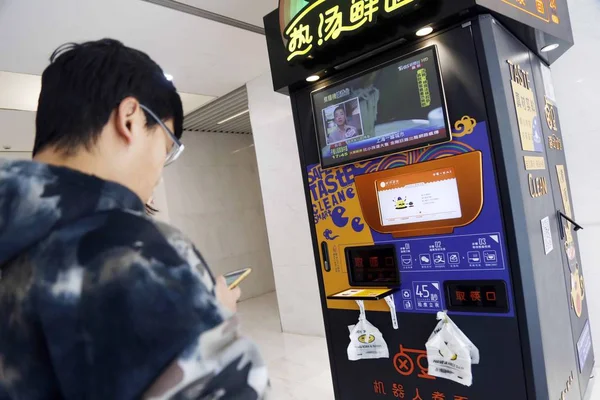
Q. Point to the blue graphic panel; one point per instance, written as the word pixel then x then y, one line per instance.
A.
pixel 475 252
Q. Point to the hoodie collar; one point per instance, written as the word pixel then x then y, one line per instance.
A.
pixel 37 198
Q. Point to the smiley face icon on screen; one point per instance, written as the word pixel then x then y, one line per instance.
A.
pixel 338 218
pixel 401 203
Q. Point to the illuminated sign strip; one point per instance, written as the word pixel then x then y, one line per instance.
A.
pixel 541 9
pixel 329 22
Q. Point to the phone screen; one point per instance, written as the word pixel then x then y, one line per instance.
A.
pixel 232 277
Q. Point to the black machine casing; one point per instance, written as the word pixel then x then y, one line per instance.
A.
pixel 530 355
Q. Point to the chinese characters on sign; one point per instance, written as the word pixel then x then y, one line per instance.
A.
pixel 399 392
pixel 540 9
pixel 320 22
pixel 378 387
pixel 533 163
pixel 554 142
pixel 550 115
pixel 530 128
pixel 474 296
pixel 337 95
pixel 424 94
pixel 339 150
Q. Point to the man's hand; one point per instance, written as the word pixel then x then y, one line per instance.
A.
pixel 227 297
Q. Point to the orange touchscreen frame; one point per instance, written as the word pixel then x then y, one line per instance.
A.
pixel 462 173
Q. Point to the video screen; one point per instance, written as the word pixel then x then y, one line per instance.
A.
pixel 396 107
pixel 343 121
pixel 418 197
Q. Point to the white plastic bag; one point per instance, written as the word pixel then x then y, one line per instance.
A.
pixel 390 302
pixel 366 341
pixel 450 353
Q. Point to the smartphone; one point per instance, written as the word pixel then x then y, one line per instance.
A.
pixel 234 278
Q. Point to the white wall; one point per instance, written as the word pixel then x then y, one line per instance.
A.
pixel 17 130
pixel 15 155
pixel 577 86
pixel 285 209
pixel 213 195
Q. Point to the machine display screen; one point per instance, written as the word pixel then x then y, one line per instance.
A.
pixel 372 265
pixel 396 107
pixel 418 197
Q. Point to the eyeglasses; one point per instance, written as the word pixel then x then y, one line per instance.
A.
pixel 177 147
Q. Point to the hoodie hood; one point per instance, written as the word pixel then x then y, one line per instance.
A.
pixel 36 199
pixel 99 302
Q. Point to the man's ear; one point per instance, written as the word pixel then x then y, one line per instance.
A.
pixel 127 116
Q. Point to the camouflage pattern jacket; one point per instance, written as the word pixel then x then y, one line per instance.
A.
pixel 97 301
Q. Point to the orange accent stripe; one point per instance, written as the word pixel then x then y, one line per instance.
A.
pixel 525 11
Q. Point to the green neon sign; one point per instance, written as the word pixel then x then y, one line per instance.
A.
pixel 307 25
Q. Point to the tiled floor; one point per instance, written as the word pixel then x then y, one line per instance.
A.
pixel 298 365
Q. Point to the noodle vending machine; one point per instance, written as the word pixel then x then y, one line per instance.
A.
pixel 436 181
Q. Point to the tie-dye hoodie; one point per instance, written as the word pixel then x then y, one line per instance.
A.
pixel 97 301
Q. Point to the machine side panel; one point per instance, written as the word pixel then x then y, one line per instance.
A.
pixel 544 298
pixel 567 246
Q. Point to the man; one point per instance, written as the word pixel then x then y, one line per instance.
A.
pixel 97 301
pixel 343 130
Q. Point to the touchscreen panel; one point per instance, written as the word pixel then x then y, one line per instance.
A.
pixel 418 197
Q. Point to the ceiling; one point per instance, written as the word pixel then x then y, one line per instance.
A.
pixel 250 11
pixel 21 92
pixel 207 59
pixel 227 114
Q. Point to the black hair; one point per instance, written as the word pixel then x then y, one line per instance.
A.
pixel 150 210
pixel 86 82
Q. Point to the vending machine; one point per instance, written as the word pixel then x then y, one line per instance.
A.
pixel 436 183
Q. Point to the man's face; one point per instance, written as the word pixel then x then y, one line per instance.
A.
pixel 340 117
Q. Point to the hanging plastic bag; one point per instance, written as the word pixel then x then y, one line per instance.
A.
pixel 390 302
pixel 366 341
pixel 450 353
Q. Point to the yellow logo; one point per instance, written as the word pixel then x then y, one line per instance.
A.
pixel 464 126
pixel 577 291
pixel 366 338
pixel 550 116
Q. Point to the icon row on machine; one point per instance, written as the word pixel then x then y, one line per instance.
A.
pixel 473 257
